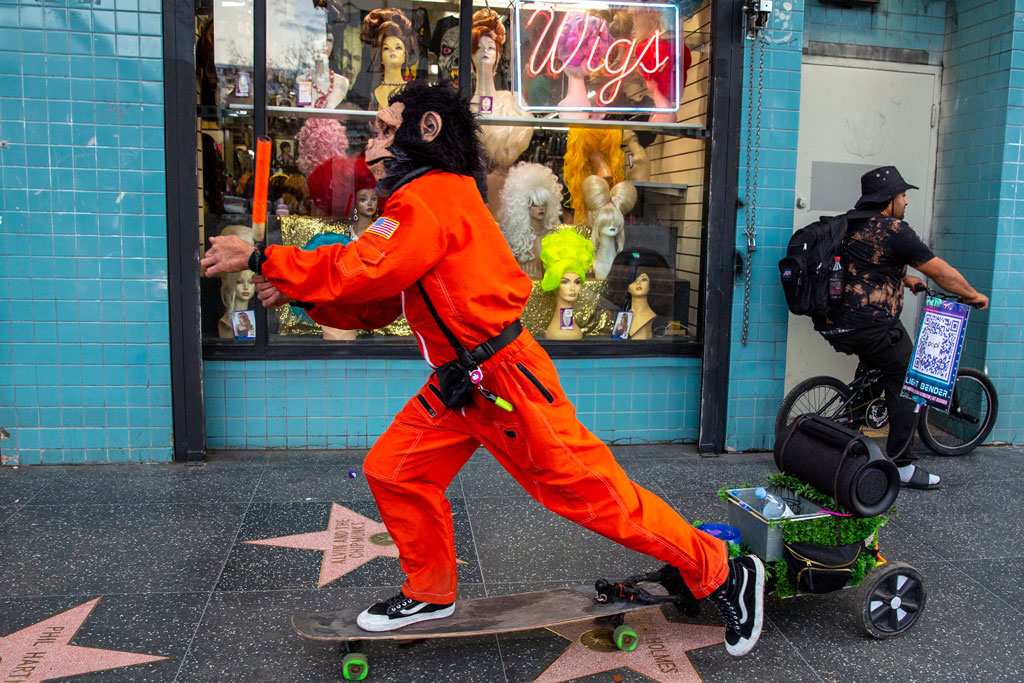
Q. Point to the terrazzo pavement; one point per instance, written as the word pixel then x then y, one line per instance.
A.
pixel 159 555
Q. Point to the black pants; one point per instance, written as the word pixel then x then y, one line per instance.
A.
pixel 887 349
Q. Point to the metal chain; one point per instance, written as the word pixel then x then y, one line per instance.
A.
pixel 753 168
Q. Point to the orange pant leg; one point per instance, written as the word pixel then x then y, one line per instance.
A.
pixel 574 474
pixel 408 470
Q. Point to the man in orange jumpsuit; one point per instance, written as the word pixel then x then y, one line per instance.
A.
pixel 437 238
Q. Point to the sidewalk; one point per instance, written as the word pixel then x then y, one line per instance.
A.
pixel 154 569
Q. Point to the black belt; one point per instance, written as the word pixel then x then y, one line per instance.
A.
pixel 492 346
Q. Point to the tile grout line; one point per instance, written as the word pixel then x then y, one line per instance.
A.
pixel 213 589
pixel 19 507
pixel 951 564
pixel 795 649
pixel 479 564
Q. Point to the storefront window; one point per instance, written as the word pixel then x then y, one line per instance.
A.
pixel 592 125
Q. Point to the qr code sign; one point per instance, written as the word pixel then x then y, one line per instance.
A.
pixel 936 346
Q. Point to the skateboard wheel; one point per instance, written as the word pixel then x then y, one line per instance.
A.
pixel 354 666
pixel 625 638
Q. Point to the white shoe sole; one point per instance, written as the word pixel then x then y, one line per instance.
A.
pixel 377 623
pixel 744 646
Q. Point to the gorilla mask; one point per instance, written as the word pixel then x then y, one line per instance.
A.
pixel 424 126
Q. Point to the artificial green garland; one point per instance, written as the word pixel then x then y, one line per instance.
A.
pixel 829 530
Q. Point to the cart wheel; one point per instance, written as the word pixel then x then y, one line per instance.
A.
pixel 354 666
pixel 890 599
pixel 625 638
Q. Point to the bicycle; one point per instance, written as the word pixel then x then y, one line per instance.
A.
pixel 972 414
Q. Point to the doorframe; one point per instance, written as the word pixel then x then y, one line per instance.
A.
pixel 927 183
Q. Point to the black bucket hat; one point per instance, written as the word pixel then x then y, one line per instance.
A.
pixel 881 184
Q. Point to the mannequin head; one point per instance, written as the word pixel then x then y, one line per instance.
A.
pixel 236 289
pixel 366 204
pixel 488 40
pixel 335 186
pixel 590 151
pixel 606 208
pixel 565 252
pixel 529 190
pixel 641 273
pixel 382 24
pixel 244 288
pixel 392 53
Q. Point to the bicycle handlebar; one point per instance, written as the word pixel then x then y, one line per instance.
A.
pixel 921 287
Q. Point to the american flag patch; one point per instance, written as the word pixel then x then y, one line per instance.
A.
pixel 385 227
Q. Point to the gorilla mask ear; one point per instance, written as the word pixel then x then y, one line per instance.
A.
pixel 430 126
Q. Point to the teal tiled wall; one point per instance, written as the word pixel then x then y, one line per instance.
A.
pixel 979 208
pixel 907 24
pixel 348 404
pixel 757 371
pixel 84 355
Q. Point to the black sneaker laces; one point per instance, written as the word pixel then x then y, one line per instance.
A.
pixel 727 608
pixel 397 602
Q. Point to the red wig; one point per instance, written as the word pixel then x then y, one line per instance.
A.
pixel 333 185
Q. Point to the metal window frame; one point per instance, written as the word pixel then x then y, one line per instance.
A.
pixel 189 350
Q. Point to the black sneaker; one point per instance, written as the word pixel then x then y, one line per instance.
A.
pixel 740 600
pixel 401 611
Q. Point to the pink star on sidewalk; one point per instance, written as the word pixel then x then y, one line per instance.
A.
pixel 660 655
pixel 42 652
pixel 349 542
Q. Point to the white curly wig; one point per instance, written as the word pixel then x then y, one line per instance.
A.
pixel 528 185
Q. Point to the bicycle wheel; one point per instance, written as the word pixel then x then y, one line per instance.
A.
pixel 970 419
pixel 821 395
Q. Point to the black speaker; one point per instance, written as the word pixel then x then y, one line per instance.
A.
pixel 840 462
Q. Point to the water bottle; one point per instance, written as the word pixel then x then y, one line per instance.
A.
pixel 835 281
pixel 772 507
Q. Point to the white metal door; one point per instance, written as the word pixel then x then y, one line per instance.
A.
pixel 856 115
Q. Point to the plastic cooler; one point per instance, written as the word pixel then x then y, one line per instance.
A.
pixel 764 539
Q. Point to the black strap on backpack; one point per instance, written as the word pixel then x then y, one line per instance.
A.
pixel 460 378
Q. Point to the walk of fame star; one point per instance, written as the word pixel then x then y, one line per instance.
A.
pixel 661 654
pixel 349 541
pixel 42 651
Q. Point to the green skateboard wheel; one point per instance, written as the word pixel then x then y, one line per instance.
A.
pixel 625 638
pixel 354 666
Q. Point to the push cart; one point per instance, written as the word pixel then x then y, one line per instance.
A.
pixel 891 596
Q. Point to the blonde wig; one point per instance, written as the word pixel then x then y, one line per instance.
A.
pixel 565 251
pixel 607 207
pixel 580 143
pixel 606 217
pixel 229 280
pixel 528 185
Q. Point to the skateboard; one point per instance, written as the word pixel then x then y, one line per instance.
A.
pixel 484 616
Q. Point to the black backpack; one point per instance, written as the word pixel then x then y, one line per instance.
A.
pixel 805 269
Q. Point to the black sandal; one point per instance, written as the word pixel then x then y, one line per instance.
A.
pixel 920 479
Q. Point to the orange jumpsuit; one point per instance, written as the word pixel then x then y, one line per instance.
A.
pixel 446 238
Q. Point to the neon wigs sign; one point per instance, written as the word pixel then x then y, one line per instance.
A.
pixel 576 55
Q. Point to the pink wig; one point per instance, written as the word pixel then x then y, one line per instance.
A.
pixel 319 140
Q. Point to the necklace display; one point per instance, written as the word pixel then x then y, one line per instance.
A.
pixel 322 99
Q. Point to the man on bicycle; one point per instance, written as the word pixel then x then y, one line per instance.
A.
pixel 877 250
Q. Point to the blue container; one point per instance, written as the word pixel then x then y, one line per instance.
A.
pixel 729 534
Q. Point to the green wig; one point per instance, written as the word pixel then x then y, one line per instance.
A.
pixel 565 251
